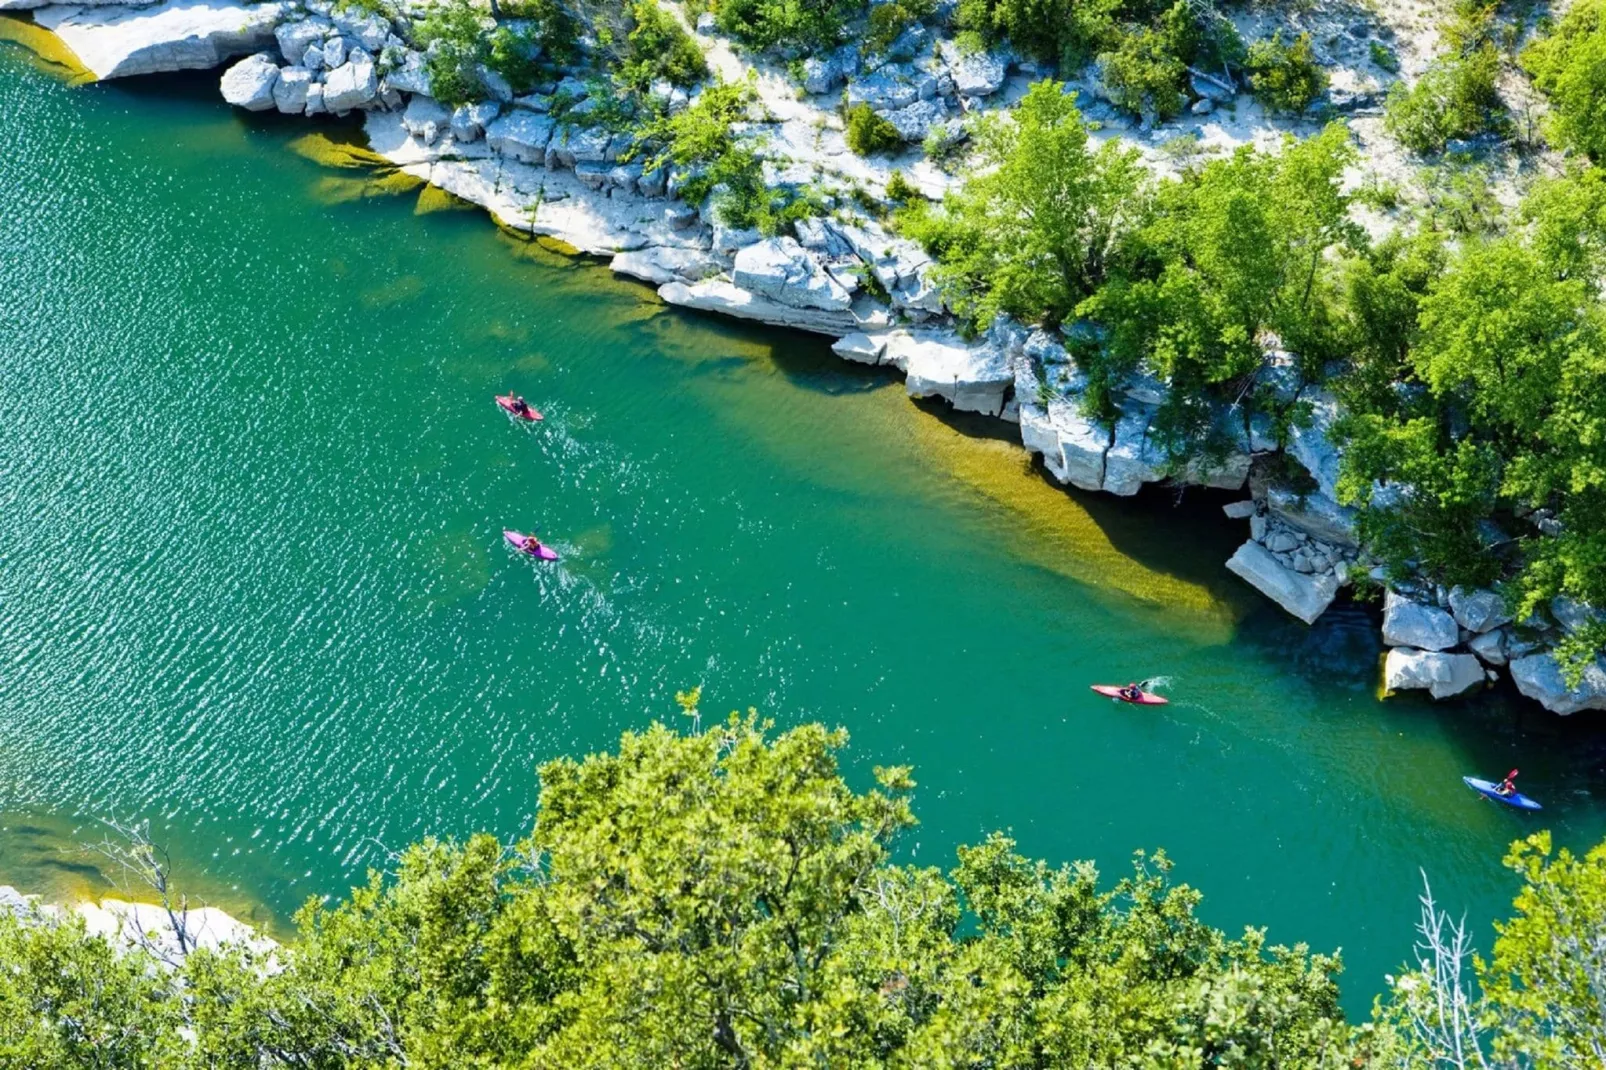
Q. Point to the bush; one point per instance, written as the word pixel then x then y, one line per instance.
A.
pixel 456 36
pixel 1286 77
pixel 516 57
pixel 1569 67
pixel 900 190
pixel 868 133
pixel 765 24
pixel 658 48
pixel 555 29
pixel 1144 76
pixel 889 20
pixel 1454 98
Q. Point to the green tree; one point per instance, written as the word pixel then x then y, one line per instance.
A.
pixel 868 133
pixel 1285 76
pixel 1031 235
pixel 658 47
pixel 456 36
pixel 1569 66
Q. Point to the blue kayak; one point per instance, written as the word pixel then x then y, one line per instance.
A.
pixel 1492 790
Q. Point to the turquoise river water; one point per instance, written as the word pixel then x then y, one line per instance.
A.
pixel 252 588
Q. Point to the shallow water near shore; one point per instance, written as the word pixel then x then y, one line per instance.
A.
pixel 252 485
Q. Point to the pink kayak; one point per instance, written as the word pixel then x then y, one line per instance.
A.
pixel 1145 698
pixel 511 407
pixel 531 545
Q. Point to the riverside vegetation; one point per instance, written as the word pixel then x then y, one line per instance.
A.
pixel 725 898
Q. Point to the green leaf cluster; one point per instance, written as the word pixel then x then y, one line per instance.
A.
pixel 805 24
pixel 658 47
pixel 1456 96
pixel 868 133
pixel 1286 77
pixel 1569 66
pixel 457 37
pixel 889 19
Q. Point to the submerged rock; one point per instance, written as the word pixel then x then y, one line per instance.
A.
pixel 249 83
pixel 1441 675
pixel 1306 597
pixel 180 35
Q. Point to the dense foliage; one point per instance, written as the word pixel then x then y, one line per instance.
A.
pixel 1285 76
pixel 725 899
pixel 1569 67
pixel 801 24
pixel 1456 96
pixel 659 48
pixel 868 133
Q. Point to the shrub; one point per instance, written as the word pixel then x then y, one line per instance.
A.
pixel 1286 77
pixel 455 35
pixel 1384 57
pixel 868 133
pixel 1144 76
pixel 766 24
pixel 1569 67
pixel 659 48
pixel 1454 98
pixel 900 189
pixel 889 20
pixel 555 29
pixel 517 57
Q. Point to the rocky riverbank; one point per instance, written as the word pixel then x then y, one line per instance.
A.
pixel 170 936
pixel 541 167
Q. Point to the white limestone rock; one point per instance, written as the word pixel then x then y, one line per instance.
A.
pixel 1072 446
pixel 896 85
pixel 1539 677
pixel 315 99
pixel 470 120
pixel 717 295
pixel 1305 597
pixel 1315 514
pixel 660 264
pixel 426 119
pixel 1133 459
pixel 974 378
pixel 349 86
pixel 369 31
pixel 1572 614
pixel 523 135
pixel 296 37
pixel 782 270
pixel 1410 623
pixel 1478 610
pixel 1441 675
pixel 149 925
pixel 290 91
pixel 914 121
pixel 1490 646
pixel 1312 445
pixel 334 52
pixel 975 74
pixel 249 83
pixel 860 347
pixel 411 76
pixel 179 35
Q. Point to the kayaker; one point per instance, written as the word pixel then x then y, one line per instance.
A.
pixel 1507 787
pixel 1131 692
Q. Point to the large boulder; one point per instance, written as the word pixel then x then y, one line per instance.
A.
pixel 470 120
pixel 782 270
pixel 426 119
pixel 821 74
pixel 914 121
pixel 1539 677
pixel 1572 614
pixel 1073 446
pixel 659 264
pixel 249 83
pixel 895 85
pixel 1133 459
pixel 296 37
pixel 1441 675
pixel 975 378
pixel 179 35
pixel 351 85
pixel 975 74
pixel 1491 647
pixel 1306 597
pixel 1312 444
pixel 522 135
pixel 1314 514
pixel 1478 610
pixel 717 295
pixel 411 75
pixel 291 90
pixel 1410 623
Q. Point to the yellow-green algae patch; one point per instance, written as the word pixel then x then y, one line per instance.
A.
pixel 49 52
pixel 434 199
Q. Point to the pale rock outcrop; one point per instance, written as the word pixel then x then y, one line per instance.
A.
pixel 470 120
pixel 1539 677
pixel 370 31
pixel 1315 514
pixel 718 295
pixel 351 85
pixel 315 99
pixel 860 347
pixel 1410 623
pixel 296 37
pixel 913 122
pixel 411 76
pixel 1304 596
pixel 523 135
pixel 660 264
pixel 975 74
pixel 895 85
pixel 179 35
pixel 821 74
pixel 1478 610
pixel 1572 614
pixel 1490 646
pixel 1312 445
pixel 290 91
pixel 150 926
pixel 334 52
pixel 426 119
pixel 1133 459
pixel 1073 447
pixel 783 271
pixel 972 378
pixel 249 83
pixel 1441 675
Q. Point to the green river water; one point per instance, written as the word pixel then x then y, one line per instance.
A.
pixel 252 486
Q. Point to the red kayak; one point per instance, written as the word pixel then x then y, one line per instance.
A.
pixel 510 405
pixel 531 545
pixel 1145 698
